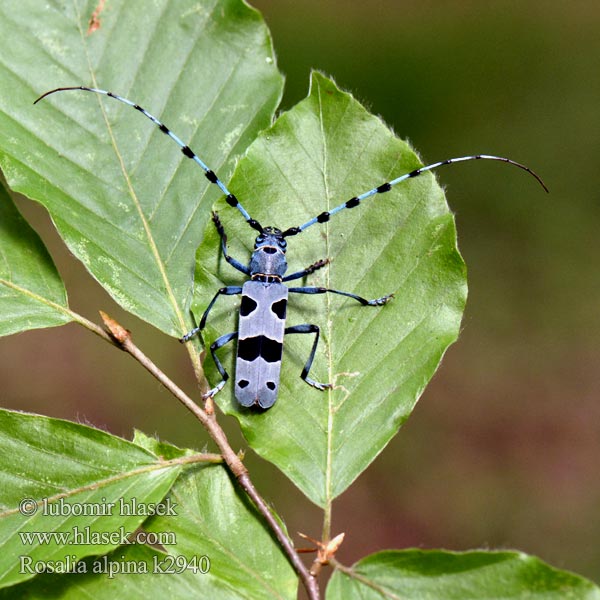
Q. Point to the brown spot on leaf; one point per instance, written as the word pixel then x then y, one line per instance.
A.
pixel 95 22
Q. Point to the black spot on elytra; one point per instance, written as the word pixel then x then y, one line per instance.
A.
pixel 279 308
pixel 251 348
pixel 248 306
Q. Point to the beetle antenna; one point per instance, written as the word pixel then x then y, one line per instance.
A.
pixel 386 187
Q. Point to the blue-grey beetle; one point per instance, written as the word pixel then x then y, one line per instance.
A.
pixel 264 296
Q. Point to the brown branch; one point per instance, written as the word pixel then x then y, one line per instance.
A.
pixel 119 336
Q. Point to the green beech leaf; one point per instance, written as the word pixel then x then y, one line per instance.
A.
pixel 121 194
pixel 32 293
pixel 321 153
pixel 442 575
pixel 228 552
pixel 163 449
pixel 75 481
pixel 217 519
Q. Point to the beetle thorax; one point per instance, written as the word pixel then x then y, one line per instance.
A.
pixel 268 258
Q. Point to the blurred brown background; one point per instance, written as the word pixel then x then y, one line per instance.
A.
pixel 502 450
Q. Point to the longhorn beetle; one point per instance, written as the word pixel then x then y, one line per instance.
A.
pixel 264 295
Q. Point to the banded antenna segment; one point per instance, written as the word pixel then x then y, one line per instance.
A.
pixel 185 149
pixel 386 187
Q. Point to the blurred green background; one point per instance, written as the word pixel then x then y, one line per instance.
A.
pixel 502 450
